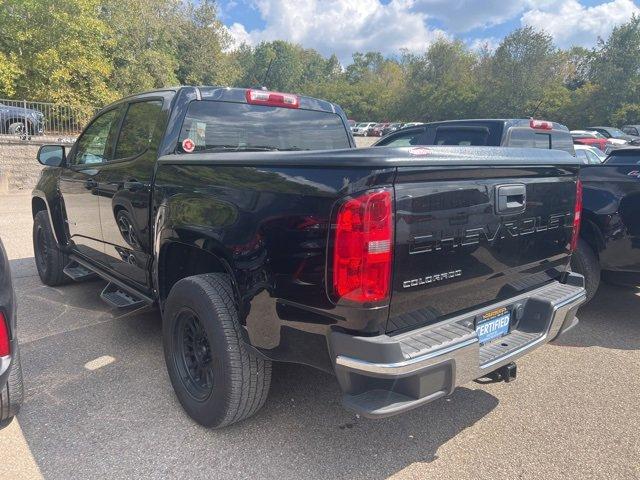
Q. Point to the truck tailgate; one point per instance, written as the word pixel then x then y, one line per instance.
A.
pixel 474 235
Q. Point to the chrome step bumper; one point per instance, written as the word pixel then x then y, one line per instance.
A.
pixel 385 375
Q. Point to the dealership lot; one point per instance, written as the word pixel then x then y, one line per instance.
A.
pixel 99 403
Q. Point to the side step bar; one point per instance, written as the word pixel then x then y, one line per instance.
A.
pixel 120 298
pixel 117 293
pixel 78 273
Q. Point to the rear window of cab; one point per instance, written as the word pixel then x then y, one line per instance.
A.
pixel 229 126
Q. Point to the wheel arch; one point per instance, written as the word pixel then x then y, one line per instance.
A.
pixel 178 260
pixel 591 233
pixel 40 203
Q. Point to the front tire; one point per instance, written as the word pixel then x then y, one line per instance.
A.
pixel 12 394
pixel 216 378
pixel 585 262
pixel 50 260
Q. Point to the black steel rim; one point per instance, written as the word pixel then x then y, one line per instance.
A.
pixel 193 355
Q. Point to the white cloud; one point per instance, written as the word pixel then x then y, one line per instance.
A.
pixel 488 43
pixel 464 15
pixel 571 23
pixel 347 26
pixel 342 27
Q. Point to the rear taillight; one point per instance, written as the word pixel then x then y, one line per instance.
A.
pixel 362 248
pixel 577 217
pixel 272 99
pixel 5 346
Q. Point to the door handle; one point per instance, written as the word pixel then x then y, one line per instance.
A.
pixel 133 186
pixel 511 199
pixel 90 184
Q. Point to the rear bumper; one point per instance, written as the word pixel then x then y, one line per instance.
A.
pixel 385 375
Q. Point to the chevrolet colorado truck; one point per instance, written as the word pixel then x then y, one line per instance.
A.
pixel 609 242
pixel 262 235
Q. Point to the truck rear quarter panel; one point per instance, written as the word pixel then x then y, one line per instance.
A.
pixel 270 225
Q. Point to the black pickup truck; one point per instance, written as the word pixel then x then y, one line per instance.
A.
pixel 405 271
pixel 610 234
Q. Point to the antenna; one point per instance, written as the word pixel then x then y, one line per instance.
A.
pixel 266 74
pixel 537 107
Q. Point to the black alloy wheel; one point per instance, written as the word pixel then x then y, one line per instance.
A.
pixel 193 356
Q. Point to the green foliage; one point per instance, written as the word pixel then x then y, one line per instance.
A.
pixel 87 53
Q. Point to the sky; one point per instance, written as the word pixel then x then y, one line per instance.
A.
pixel 347 26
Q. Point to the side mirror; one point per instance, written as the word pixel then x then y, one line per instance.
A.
pixel 51 155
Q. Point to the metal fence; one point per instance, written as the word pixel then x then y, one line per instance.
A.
pixel 26 120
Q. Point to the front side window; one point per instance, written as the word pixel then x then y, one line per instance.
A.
pixel 94 146
pixel 212 125
pixel 138 128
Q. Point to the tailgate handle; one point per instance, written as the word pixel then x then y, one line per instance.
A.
pixel 511 198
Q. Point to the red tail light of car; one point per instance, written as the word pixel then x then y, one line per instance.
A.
pixel 5 345
pixel 577 217
pixel 363 246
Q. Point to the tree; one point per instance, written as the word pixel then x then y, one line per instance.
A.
pixel 442 83
pixel 143 43
pixel 54 51
pixel 520 74
pixel 616 68
pixel 201 44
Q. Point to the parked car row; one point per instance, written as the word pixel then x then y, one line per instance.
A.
pixel 608 139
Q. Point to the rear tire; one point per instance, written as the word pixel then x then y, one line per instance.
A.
pixel 585 262
pixel 12 394
pixel 216 378
pixel 50 260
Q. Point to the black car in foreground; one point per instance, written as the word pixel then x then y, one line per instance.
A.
pixel 609 245
pixel 11 388
pixel 263 235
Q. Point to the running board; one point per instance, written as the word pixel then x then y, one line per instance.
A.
pixel 117 293
pixel 120 298
pixel 78 273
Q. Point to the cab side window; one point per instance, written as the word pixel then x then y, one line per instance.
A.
pixel 94 146
pixel 403 139
pixel 139 129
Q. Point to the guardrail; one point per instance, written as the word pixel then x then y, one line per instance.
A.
pixel 27 120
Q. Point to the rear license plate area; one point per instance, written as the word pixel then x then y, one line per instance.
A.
pixel 493 325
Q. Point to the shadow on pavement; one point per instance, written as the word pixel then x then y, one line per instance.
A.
pixel 610 320
pixel 122 420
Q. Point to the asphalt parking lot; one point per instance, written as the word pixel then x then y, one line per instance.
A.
pixel 99 403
